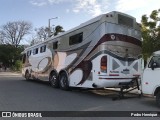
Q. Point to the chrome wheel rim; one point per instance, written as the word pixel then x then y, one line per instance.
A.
pixel 63 81
pixel 53 79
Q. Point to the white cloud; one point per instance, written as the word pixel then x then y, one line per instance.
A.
pixel 89 6
pixel 76 10
pixel 127 5
pixel 38 3
pixel 58 1
pixel 137 8
pixel 133 5
pixel 67 10
pixel 47 2
pixel 93 7
pixel 97 7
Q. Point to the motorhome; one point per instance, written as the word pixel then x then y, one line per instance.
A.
pixel 151 77
pixel 102 52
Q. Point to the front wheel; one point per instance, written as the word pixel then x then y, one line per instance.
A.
pixel 158 99
pixel 63 81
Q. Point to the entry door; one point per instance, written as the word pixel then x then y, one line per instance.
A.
pixel 151 77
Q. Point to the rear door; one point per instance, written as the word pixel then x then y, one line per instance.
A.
pixel 124 68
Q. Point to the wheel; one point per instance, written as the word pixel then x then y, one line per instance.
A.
pixel 27 75
pixel 63 81
pixel 158 99
pixel 53 79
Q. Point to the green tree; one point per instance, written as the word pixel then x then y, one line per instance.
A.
pixel 9 54
pixel 150 33
pixel 18 65
pixel 58 29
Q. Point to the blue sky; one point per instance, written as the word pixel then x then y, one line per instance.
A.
pixel 71 13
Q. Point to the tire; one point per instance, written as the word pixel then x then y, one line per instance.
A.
pixel 27 75
pixel 158 99
pixel 63 81
pixel 53 79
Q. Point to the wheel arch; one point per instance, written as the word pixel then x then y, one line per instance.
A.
pixel 63 70
pixel 27 74
pixel 26 71
pixel 156 90
pixel 53 70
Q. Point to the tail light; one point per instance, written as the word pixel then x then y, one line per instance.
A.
pixel 104 64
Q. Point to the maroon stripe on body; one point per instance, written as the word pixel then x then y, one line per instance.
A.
pixel 118 37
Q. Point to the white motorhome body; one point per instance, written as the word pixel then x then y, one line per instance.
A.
pixel 102 52
pixel 151 77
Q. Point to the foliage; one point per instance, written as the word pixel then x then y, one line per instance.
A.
pixel 9 54
pixel 58 29
pixel 13 32
pixel 42 33
pixel 18 65
pixel 150 33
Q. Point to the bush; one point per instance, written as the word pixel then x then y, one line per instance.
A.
pixel 18 65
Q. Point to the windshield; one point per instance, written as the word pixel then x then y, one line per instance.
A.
pixel 124 51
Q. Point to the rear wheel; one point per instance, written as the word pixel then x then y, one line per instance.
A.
pixel 27 75
pixel 53 79
pixel 63 81
pixel 158 98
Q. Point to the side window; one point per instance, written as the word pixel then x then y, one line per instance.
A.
pixel 154 59
pixel 35 51
pixel 43 49
pixel 55 45
pixel 29 53
pixel 24 58
pixel 75 39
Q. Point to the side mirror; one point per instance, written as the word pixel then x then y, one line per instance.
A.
pixel 154 65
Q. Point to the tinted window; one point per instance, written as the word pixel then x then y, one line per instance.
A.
pixel 155 59
pixel 124 20
pixel 35 51
pixel 55 45
pixel 24 58
pixel 29 53
pixel 75 39
pixel 43 49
